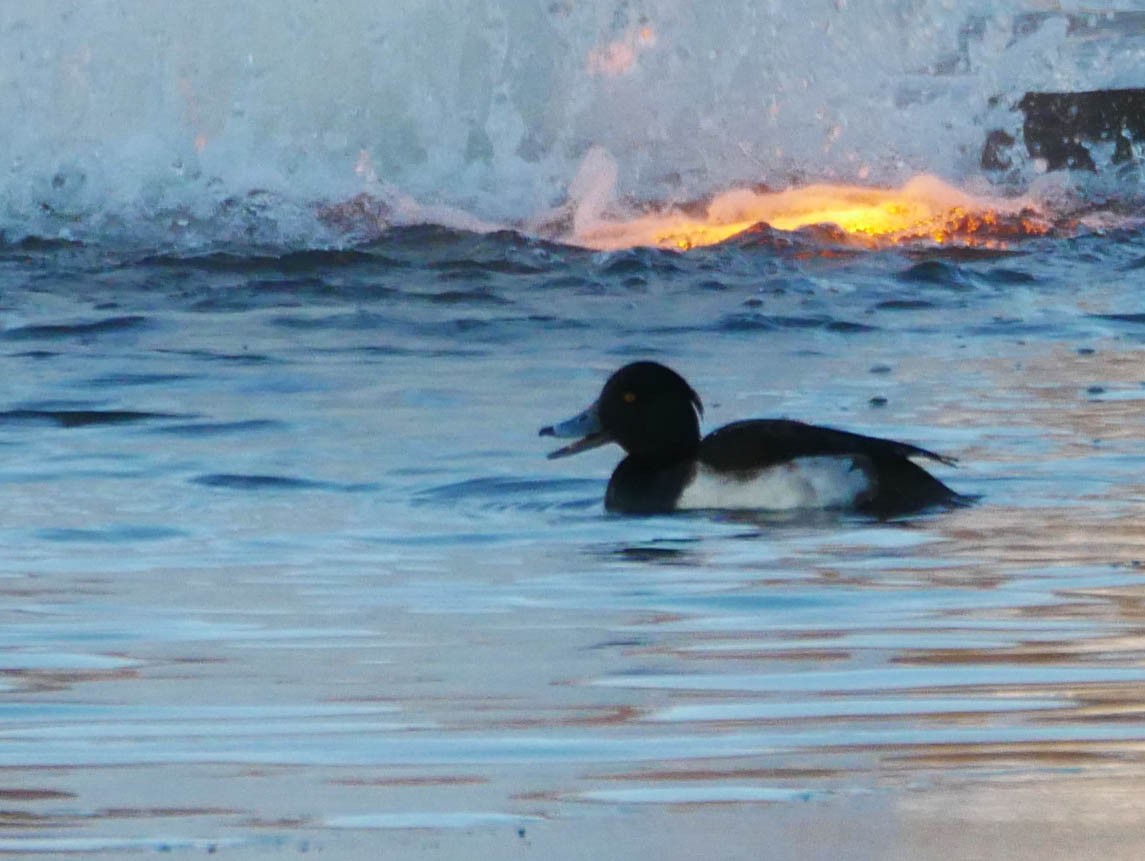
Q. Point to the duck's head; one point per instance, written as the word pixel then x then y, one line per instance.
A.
pixel 646 408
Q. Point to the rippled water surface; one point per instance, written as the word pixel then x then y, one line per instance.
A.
pixel 286 569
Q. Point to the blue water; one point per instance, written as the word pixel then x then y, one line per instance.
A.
pixel 284 558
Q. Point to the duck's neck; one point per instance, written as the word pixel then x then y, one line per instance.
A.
pixel 664 442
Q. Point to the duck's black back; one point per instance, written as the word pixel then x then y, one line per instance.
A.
pixel 900 484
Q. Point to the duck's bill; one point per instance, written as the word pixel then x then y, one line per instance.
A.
pixel 586 427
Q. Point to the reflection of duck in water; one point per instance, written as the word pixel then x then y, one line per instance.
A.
pixel 759 464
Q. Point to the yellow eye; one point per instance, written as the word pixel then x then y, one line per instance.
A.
pixel 629 397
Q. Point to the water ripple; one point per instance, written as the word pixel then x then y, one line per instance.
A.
pixel 257 482
pixel 54 331
pixel 79 418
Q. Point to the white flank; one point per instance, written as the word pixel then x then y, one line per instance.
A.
pixel 807 482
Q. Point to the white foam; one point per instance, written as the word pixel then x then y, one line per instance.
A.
pixel 221 118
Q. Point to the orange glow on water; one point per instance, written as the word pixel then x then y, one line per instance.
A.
pixel 925 210
pixel 616 58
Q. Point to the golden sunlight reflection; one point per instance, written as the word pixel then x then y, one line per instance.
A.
pixel 924 210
